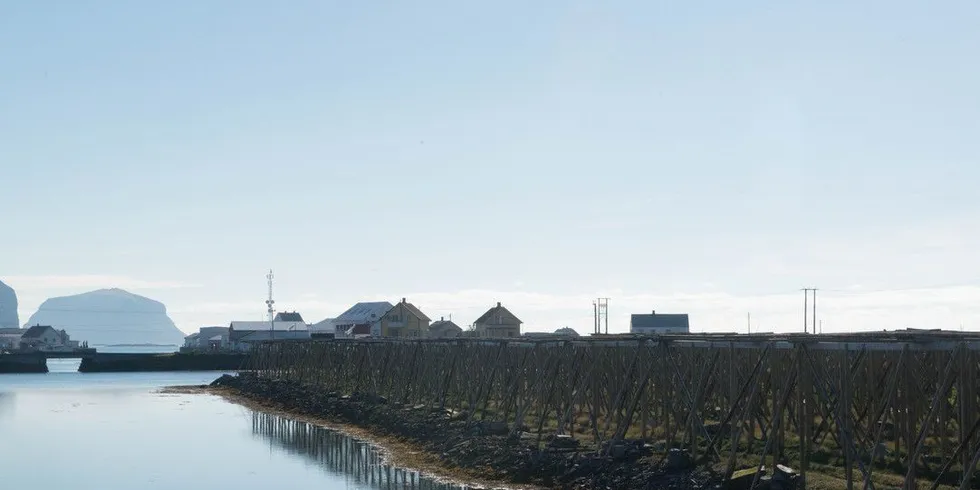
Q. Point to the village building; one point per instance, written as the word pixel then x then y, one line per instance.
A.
pixel 288 316
pixel 207 339
pixel 240 332
pixel 46 338
pixel 245 340
pixel 325 329
pixel 267 325
pixel 361 320
pixel 498 322
pixel 402 320
pixel 444 329
pixel 325 325
pixel 10 338
pixel 659 323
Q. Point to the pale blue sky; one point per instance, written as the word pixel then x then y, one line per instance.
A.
pixel 710 157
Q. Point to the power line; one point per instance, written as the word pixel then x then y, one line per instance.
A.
pixel 601 311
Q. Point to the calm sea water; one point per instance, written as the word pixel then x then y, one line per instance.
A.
pixel 66 430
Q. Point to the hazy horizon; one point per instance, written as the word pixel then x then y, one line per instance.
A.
pixel 704 158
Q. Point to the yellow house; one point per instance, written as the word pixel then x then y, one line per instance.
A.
pixel 498 322
pixel 404 320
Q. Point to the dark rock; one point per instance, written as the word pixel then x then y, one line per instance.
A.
pixel 225 380
pixel 563 441
pixel 618 451
pixel 678 460
pixel 495 428
pixel 783 478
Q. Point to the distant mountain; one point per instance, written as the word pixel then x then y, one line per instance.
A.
pixel 109 316
pixel 8 307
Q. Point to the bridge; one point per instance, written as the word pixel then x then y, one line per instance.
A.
pixel 73 354
pixel 890 409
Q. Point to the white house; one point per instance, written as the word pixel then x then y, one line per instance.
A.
pixel 659 323
pixel 443 328
pixel 361 320
pixel 10 338
pixel 46 338
pixel 207 338
pixel 279 330
pixel 244 340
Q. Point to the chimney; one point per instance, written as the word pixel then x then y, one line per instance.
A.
pixel 442 319
pixel 498 304
pixel 403 300
pixel 654 312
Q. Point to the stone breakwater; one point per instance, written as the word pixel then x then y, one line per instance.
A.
pixel 488 451
pixel 23 363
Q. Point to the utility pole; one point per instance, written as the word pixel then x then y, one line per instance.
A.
pixel 814 310
pixel 271 310
pixel 595 318
pixel 806 297
pixel 601 314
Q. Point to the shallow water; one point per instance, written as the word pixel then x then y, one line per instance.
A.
pixel 114 431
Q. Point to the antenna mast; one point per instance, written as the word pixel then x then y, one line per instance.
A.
pixel 270 302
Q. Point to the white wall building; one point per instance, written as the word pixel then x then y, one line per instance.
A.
pixel 659 323
pixel 46 338
pixel 207 339
pixel 10 338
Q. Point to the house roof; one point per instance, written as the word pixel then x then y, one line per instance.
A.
pixel 444 325
pixel 659 321
pixel 326 325
pixel 411 309
pixel 365 312
pixel 288 316
pixel 36 331
pixel 567 331
pixel 498 315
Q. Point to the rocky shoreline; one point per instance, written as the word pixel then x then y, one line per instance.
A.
pixel 480 449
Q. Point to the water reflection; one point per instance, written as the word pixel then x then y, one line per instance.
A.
pixel 340 454
pixel 7 404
